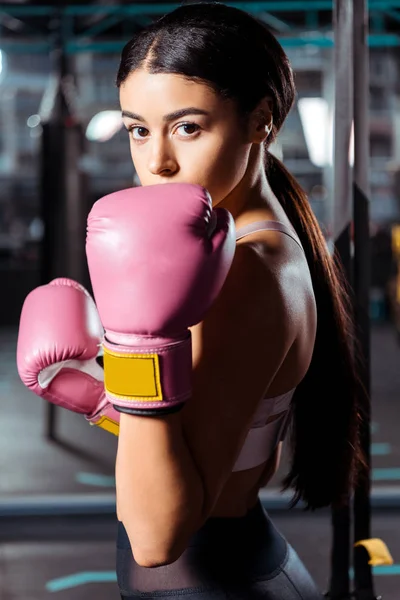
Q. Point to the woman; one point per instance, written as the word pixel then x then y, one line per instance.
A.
pixel 204 91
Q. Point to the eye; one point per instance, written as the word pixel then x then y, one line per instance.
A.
pixel 188 129
pixel 138 133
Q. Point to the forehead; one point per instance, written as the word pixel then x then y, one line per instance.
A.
pixel 164 92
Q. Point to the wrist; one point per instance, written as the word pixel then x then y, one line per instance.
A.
pixel 147 374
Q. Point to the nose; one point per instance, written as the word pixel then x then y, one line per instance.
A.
pixel 162 160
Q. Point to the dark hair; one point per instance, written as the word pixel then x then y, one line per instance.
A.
pixel 240 59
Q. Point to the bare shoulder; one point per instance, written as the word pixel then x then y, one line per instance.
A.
pixel 278 268
pixel 292 302
pixel 253 302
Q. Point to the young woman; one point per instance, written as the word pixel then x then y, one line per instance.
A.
pixel 204 91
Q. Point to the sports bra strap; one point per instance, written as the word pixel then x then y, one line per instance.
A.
pixel 268 226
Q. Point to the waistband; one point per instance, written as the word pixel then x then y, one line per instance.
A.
pixel 255 524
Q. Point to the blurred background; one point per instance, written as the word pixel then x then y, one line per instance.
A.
pixel 61 148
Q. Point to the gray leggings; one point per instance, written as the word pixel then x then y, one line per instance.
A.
pixel 242 558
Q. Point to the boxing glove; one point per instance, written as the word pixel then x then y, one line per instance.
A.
pixel 158 257
pixel 59 338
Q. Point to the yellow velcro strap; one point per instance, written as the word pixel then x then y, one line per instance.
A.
pixel 108 424
pixel 133 377
pixel 378 551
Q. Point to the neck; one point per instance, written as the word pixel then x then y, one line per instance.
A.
pixel 253 193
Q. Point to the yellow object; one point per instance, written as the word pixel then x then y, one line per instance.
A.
pixel 133 377
pixel 108 424
pixel 377 550
pixel 396 239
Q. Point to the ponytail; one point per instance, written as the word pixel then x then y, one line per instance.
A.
pixel 325 447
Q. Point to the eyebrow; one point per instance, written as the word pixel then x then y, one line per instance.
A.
pixel 177 114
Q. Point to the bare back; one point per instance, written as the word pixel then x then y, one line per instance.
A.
pixel 281 256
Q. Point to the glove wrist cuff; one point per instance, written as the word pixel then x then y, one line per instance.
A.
pixel 105 417
pixel 148 378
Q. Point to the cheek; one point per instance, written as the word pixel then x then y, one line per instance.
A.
pixel 140 165
pixel 224 167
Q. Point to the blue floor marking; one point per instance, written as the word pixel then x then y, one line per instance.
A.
pixel 386 570
pixel 380 449
pixel 96 479
pixel 382 570
pixel 386 474
pixel 77 579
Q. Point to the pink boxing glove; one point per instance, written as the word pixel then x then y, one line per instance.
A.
pixel 59 338
pixel 158 257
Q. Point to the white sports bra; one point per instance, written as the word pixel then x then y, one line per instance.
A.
pixel 263 437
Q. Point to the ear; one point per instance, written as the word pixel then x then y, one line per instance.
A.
pixel 261 121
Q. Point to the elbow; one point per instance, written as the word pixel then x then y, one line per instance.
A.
pixel 156 544
pixel 158 555
pixel 159 536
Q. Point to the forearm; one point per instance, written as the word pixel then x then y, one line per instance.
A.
pixel 159 488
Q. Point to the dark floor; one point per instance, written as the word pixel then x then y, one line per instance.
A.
pixel 72 568
pixel 68 559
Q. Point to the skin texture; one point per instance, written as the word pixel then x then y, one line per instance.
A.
pixel 174 472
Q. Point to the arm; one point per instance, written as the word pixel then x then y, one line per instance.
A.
pixel 159 488
pixel 170 470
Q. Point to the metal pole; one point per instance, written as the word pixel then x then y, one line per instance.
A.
pixel 363 580
pixel 52 160
pixel 339 588
pixel 53 189
pixel 343 27
pixel 343 117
